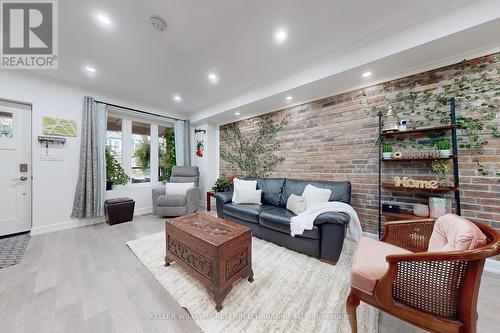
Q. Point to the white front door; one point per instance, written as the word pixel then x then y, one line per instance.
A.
pixel 15 169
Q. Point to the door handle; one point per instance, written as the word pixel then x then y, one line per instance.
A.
pixel 22 178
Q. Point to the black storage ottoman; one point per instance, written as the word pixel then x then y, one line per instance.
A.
pixel 119 210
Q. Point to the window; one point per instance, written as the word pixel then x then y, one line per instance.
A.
pixel 6 125
pixel 141 152
pixel 114 137
pixel 132 141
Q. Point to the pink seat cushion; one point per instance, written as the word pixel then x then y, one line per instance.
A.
pixel 369 263
pixel 454 233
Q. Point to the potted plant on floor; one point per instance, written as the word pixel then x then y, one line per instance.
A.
pixel 387 152
pixel 444 147
pixel 115 175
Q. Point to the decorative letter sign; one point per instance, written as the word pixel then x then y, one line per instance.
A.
pixel 415 183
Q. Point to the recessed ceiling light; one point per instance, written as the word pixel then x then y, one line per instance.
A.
pixel 237 113
pixel 280 36
pixel 213 78
pixel 177 98
pixel 90 69
pixel 288 98
pixel 367 74
pixel 104 19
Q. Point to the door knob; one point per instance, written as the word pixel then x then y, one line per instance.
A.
pixel 23 178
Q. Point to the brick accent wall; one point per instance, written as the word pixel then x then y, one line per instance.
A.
pixel 334 139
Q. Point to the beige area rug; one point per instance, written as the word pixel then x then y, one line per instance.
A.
pixel 292 292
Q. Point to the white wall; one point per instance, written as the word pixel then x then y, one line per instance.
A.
pixel 54 182
pixel 209 163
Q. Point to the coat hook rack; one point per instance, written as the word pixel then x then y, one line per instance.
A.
pixel 51 140
pixel 196 131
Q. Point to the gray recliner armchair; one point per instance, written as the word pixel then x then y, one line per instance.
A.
pixel 177 205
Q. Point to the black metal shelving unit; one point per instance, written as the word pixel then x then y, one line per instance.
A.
pixel 452 127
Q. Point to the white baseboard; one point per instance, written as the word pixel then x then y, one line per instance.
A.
pixel 490 266
pixel 80 223
pixel 65 225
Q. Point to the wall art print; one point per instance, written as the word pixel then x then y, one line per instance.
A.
pixel 200 148
pixel 59 126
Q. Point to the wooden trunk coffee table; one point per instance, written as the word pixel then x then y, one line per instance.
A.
pixel 215 251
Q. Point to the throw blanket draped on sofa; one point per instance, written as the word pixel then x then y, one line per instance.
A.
pixel 305 220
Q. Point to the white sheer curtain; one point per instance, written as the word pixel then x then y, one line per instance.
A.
pixel 182 143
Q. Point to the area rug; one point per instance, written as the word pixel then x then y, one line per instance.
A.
pixel 291 292
pixel 12 249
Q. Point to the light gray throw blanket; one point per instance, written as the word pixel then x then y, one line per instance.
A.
pixel 305 220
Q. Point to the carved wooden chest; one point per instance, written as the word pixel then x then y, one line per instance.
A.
pixel 215 251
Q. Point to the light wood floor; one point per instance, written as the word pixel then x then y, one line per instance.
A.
pixel 87 280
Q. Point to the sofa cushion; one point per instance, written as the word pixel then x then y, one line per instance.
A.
pixel 341 191
pixel 271 189
pixel 246 212
pixel 278 219
pixel 454 233
pixel 369 263
pixel 172 200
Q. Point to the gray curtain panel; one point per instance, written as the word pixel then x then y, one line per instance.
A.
pixel 89 195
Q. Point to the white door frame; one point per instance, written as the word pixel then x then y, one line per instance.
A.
pixel 29 122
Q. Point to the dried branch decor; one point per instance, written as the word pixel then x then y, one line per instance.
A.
pixel 253 153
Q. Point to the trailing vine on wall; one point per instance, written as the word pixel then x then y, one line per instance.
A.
pixel 475 86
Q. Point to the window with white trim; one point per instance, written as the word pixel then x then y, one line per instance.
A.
pixel 140 145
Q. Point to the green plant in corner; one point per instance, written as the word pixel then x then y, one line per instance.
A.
pixel 167 156
pixel 114 171
pixel 253 153
pixel 387 148
pixel 221 185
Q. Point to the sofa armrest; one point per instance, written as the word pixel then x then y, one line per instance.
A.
pixel 333 217
pixel 156 192
pixel 222 198
pixel 225 197
pixel 193 197
pixel 332 226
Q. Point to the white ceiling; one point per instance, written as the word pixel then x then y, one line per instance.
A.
pixel 234 38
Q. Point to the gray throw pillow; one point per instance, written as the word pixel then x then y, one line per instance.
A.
pixel 296 204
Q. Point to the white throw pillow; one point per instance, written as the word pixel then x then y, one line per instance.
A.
pixel 296 204
pixel 177 188
pixel 315 195
pixel 240 184
pixel 245 196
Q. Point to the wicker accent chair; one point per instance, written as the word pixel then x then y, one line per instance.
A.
pixel 436 291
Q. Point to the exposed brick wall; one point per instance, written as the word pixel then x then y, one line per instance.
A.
pixel 334 139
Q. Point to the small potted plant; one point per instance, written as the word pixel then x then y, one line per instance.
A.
pixel 442 168
pixel 221 185
pixel 444 147
pixel 115 175
pixel 387 152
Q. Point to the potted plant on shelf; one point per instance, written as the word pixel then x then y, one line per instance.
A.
pixel 442 168
pixel 387 152
pixel 444 147
pixel 221 185
pixel 115 175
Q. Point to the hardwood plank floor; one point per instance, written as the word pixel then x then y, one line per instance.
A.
pixel 87 280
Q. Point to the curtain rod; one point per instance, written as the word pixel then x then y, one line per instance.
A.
pixel 139 111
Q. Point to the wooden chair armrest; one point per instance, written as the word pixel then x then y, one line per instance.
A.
pixel 428 282
pixel 412 235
